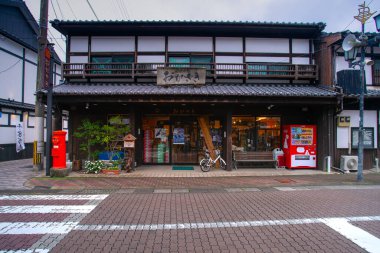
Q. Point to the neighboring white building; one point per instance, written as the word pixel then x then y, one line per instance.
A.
pixel 337 72
pixel 18 75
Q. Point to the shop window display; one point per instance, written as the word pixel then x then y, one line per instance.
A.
pixel 255 133
pixel 156 135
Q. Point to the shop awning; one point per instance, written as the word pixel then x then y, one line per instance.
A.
pixel 220 90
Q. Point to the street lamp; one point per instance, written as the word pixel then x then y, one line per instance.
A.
pixel 377 22
pixel 349 44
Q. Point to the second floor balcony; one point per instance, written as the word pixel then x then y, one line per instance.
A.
pixel 213 70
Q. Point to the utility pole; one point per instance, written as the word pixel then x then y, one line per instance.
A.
pixel 41 79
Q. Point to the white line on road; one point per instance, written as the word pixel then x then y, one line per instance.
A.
pixel 47 209
pixel 26 251
pixel 54 197
pixel 28 228
pixel 357 235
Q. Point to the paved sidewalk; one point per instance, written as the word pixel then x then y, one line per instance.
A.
pixel 14 174
pixel 19 175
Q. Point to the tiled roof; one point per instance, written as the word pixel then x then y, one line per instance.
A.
pixel 219 22
pixel 16 105
pixel 139 89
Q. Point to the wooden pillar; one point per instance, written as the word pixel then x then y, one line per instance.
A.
pixel 228 142
pixel 57 120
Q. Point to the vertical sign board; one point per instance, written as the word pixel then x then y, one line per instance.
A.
pixel 47 68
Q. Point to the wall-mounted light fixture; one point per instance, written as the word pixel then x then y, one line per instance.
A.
pixel 87 106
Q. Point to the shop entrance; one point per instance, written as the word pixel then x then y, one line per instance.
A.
pixel 170 140
pixel 184 141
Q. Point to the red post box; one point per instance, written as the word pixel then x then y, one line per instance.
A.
pixel 58 151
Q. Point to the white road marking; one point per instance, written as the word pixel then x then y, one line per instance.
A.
pixel 26 251
pixel 328 187
pixel 47 209
pixel 54 197
pixel 357 235
pixel 28 228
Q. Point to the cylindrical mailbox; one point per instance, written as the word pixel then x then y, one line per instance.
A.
pixel 58 151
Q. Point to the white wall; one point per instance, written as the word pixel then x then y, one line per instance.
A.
pixel 78 59
pixel 267 59
pixel 79 44
pixel 10 79
pixel 30 83
pixel 113 44
pixel 224 44
pixel 344 133
pixel 151 58
pixel 31 56
pixel 11 46
pixel 190 44
pixel 300 46
pixel 151 44
pixel 300 60
pixel 266 45
pixel 229 59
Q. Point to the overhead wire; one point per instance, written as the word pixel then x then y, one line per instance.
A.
pixel 92 9
pixel 14 64
pixel 60 10
pixel 72 11
pixel 55 12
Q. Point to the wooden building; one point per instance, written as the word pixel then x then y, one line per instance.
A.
pixel 18 76
pixel 257 78
pixel 335 71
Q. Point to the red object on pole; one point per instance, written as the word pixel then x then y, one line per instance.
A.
pixel 58 152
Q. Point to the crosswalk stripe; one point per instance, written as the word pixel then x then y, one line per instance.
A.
pixel 28 228
pixel 47 209
pixel 357 235
pixel 53 197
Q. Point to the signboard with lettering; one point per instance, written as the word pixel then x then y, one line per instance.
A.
pixel 47 68
pixel 172 76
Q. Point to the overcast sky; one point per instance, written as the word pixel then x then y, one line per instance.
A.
pixel 337 14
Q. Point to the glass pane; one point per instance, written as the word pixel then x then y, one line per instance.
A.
pixel 243 133
pixel 257 67
pixel 156 135
pixel 179 62
pixel 184 142
pixel 123 58
pixel 98 66
pixel 268 133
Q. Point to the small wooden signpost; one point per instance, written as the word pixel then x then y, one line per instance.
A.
pixel 129 147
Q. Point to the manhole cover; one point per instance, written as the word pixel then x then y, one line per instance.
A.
pixel 27 167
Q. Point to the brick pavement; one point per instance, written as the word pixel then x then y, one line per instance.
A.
pixel 201 182
pixel 220 221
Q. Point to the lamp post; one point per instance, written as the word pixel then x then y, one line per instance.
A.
pixel 350 45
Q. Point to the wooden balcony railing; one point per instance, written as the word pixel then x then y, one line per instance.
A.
pixel 213 70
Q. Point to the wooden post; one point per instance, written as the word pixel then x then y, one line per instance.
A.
pixel 228 153
pixel 205 127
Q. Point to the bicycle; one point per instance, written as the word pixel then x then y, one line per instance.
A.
pixel 207 163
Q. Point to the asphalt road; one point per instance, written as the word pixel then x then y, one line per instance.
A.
pixel 280 219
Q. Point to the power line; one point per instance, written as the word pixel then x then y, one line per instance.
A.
pixel 56 41
pixel 68 3
pixel 10 67
pixel 52 5
pixel 125 8
pixel 89 4
pixel 60 10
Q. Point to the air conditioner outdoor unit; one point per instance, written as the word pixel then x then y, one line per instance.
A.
pixel 348 163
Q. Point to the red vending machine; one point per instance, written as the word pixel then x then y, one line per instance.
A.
pixel 300 146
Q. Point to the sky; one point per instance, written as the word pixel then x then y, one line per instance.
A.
pixel 338 15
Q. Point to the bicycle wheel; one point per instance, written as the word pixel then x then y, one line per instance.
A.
pixel 223 164
pixel 205 165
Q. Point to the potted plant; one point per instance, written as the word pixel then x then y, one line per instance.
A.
pixel 111 168
pixel 88 133
pixel 112 135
